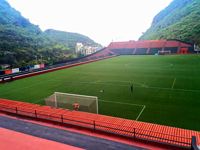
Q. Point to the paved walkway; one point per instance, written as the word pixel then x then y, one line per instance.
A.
pixel 62 136
pixel 12 140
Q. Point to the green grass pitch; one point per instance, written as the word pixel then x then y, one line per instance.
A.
pixel 166 89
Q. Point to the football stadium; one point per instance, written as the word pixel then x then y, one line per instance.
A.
pixel 146 91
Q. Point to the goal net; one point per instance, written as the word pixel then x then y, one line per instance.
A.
pixel 73 102
pixel 164 52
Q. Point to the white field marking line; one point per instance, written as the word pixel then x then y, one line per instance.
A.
pixel 121 81
pixel 173 83
pixel 140 113
pixel 148 87
pixel 185 90
pixel 96 81
pixel 113 83
pixel 121 103
pixel 55 80
pixel 101 83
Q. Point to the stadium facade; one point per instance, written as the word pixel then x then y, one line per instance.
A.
pixel 146 47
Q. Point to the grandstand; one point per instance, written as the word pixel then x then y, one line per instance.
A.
pixel 149 47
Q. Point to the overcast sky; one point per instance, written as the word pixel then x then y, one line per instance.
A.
pixel 102 20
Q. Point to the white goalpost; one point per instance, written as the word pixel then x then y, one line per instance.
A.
pixel 73 102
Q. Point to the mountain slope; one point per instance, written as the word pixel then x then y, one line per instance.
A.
pixel 9 15
pixel 69 39
pixel 180 20
pixel 22 42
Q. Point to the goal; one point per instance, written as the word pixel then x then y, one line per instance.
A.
pixel 73 102
pixel 164 52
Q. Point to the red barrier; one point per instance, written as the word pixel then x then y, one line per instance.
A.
pixel 183 50
pixel 8 71
pixel 41 65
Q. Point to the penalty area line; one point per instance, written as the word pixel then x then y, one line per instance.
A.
pixel 140 113
pixel 138 105
pixel 173 83
pixel 120 103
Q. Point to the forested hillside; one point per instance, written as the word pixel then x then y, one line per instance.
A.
pixel 69 39
pixel 22 42
pixel 180 20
